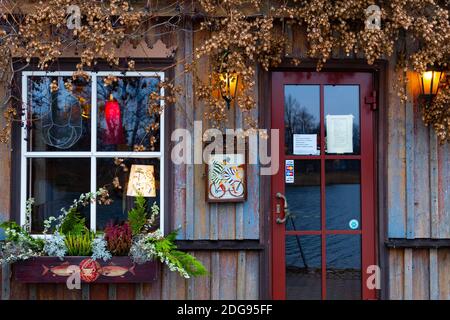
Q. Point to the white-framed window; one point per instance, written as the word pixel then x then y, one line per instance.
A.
pixel 72 135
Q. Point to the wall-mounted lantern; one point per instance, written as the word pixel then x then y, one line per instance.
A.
pixel 429 83
pixel 228 84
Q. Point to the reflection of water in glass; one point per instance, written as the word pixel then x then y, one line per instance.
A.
pixel 342 205
pixel 303 272
pixel 304 203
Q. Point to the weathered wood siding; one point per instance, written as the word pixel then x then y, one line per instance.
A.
pixel 418 198
pixel 233 275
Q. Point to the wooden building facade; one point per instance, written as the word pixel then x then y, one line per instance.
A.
pixel 235 241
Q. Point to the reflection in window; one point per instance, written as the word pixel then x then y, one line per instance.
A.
pixel 62 114
pixel 344 100
pixel 343 267
pixel 60 111
pixel 301 112
pixel 303 196
pixel 138 128
pixel 303 267
pixel 343 194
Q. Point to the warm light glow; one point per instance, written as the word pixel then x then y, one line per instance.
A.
pixel 114 129
pixel 142 181
pixel 228 86
pixel 429 82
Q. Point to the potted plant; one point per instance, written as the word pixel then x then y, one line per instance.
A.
pixel 129 252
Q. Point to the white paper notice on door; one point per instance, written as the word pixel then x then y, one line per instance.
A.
pixel 305 144
pixel 339 133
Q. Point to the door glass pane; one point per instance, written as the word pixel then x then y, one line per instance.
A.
pixel 302 191
pixel 54 184
pixel 303 268
pixel 117 211
pixel 343 194
pixel 128 122
pixel 60 111
pixel 302 117
pixel 343 267
pixel 342 119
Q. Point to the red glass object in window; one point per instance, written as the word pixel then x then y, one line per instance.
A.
pixel 114 129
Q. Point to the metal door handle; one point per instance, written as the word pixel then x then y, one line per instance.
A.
pixel 286 208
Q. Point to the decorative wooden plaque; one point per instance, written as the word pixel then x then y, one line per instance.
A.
pixel 54 270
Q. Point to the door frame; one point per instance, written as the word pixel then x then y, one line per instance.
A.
pixel 379 71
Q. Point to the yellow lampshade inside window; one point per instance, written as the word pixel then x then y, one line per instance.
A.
pixel 429 82
pixel 142 181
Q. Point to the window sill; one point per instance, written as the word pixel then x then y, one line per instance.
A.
pixel 54 270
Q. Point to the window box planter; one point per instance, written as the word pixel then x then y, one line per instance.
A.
pixel 54 270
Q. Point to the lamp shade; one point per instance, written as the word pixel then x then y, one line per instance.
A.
pixel 113 118
pixel 142 181
pixel 429 82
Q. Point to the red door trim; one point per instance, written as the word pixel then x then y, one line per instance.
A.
pixel 368 241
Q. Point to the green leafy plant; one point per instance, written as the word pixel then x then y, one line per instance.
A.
pixel 154 245
pixel 79 244
pixel 73 223
pixel 17 234
pixel 167 247
pixel 137 217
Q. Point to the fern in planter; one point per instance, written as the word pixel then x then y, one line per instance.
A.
pixel 73 223
pixel 137 217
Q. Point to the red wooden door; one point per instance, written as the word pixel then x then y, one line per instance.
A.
pixel 325 241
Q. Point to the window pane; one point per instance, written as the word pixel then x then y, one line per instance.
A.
pixel 54 184
pixel 343 194
pixel 117 212
pixel 127 121
pixel 303 195
pixel 301 115
pixel 342 108
pixel 60 114
pixel 343 267
pixel 303 268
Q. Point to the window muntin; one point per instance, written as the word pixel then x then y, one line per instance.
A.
pixel 132 93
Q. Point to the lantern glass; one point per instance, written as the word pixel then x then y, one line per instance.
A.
pixel 429 81
pixel 228 85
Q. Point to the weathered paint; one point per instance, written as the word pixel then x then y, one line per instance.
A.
pixel 396 166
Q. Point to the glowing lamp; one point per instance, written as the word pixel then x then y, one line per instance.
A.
pixel 429 82
pixel 228 84
pixel 114 130
pixel 142 181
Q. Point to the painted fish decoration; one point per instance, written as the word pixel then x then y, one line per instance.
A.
pixel 63 270
pixel 116 271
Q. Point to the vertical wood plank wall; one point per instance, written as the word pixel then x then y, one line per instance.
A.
pixel 418 206
pixel 418 194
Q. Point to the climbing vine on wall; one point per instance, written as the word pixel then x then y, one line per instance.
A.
pixel 243 36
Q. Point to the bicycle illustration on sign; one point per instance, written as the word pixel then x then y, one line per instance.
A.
pixel 226 178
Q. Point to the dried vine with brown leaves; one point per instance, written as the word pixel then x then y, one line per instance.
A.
pixel 242 38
